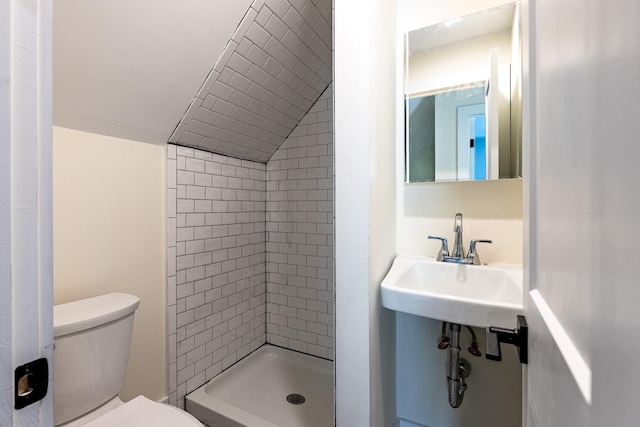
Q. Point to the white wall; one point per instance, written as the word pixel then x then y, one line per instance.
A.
pixel 109 236
pixel 365 92
pixel 492 210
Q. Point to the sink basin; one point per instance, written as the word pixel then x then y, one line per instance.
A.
pixel 474 295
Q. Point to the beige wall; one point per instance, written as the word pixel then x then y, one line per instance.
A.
pixel 491 209
pixel 109 236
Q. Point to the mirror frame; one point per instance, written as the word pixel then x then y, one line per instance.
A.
pixel 459 30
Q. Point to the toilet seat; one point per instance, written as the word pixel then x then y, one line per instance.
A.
pixel 142 412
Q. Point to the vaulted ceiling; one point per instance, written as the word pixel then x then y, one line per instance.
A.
pixel 231 77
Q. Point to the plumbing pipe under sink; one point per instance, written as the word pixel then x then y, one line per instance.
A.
pixel 458 368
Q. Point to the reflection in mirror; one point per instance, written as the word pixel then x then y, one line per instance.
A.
pixel 462 93
pixel 434 121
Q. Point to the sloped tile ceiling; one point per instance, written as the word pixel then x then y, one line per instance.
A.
pixel 271 72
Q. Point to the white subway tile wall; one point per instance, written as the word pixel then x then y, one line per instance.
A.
pixel 300 236
pixel 250 253
pixel 216 265
pixel 271 72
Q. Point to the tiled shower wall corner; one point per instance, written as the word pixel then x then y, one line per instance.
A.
pixel 218 289
pixel 216 265
pixel 300 235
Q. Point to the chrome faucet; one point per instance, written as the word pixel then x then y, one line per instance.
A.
pixel 457 255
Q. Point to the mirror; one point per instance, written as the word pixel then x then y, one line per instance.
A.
pixel 462 91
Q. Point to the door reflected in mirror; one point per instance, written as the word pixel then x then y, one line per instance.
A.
pixel 463 98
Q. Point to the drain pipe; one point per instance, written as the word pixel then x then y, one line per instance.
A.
pixel 458 368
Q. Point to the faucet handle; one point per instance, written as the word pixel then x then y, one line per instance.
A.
pixel 444 249
pixel 473 253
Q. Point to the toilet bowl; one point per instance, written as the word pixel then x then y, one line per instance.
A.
pixel 92 338
pixel 144 412
pixel 137 412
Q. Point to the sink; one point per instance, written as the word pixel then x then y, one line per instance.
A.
pixel 474 295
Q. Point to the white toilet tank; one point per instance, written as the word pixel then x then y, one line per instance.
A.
pixel 92 338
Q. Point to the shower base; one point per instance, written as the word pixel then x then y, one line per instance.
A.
pixel 272 387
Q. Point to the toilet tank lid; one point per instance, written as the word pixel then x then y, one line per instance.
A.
pixel 88 313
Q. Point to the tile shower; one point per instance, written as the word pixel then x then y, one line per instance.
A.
pixel 250 253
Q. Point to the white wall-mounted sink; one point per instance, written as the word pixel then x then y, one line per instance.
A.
pixel 474 295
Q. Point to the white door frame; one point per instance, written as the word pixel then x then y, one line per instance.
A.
pixel 26 217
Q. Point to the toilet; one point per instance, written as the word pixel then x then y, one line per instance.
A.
pixel 92 338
